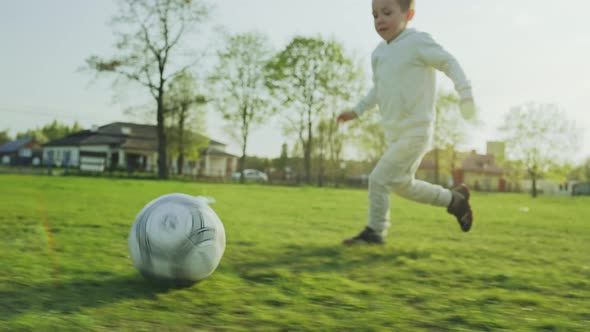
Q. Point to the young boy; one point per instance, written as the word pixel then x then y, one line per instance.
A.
pixel 404 84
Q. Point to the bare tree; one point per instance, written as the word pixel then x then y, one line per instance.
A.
pixel 539 135
pixel 150 34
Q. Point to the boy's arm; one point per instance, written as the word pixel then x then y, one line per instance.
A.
pixel 434 55
pixel 367 103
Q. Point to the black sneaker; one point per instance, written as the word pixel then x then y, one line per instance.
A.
pixel 460 207
pixel 367 236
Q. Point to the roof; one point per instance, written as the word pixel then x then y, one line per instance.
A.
pixel 140 144
pixel 214 142
pixel 129 136
pixel 211 141
pixel 101 139
pixel 16 145
pixel 427 164
pixel 74 139
pixel 216 152
pixel 129 129
pixel 481 163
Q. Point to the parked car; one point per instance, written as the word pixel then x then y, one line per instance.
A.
pixel 251 175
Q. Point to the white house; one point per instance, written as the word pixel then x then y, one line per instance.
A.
pixel 215 162
pixel 65 151
pixel 548 187
pixel 129 146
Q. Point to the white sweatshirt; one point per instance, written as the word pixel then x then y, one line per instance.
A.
pixel 404 84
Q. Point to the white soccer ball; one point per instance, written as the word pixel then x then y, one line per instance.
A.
pixel 177 238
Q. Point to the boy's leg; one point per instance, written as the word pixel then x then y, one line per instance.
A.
pixel 395 172
pixel 375 232
pixel 395 169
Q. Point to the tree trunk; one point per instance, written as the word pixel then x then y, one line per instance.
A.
pixel 534 178
pixel 162 160
pixel 180 160
pixel 321 171
pixel 242 162
pixel 308 147
pixel 180 163
pixel 244 142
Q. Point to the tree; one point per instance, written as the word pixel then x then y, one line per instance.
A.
pixel 4 136
pixel 283 160
pixel 448 131
pixel 50 132
pixel 581 172
pixel 187 119
pixel 540 136
pixel 320 147
pixel 304 76
pixel 369 137
pixel 328 147
pixel 149 39
pixel 242 95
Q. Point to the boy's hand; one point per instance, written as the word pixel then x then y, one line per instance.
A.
pixel 468 109
pixel 346 116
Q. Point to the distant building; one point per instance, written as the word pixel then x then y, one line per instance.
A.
pixel 131 147
pixel 481 172
pixel 548 187
pixel 21 152
pixel 581 189
pixel 215 162
pixel 496 149
pixel 427 170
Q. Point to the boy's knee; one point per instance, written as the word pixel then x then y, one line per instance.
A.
pixel 377 185
pixel 396 185
pixel 401 187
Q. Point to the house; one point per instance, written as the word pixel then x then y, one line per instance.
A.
pixel 21 152
pixel 548 187
pixel 427 170
pixel 429 167
pixel 119 145
pixel 582 188
pixel 131 147
pixel 480 172
pixel 65 151
pixel 215 162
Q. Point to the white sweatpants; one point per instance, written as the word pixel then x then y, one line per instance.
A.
pixel 395 172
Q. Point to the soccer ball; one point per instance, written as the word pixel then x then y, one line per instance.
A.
pixel 177 238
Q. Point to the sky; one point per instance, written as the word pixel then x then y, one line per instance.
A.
pixel 513 52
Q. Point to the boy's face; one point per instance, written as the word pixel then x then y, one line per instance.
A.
pixel 390 20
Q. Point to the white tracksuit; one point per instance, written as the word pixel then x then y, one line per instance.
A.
pixel 404 88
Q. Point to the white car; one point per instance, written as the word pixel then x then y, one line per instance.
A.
pixel 251 175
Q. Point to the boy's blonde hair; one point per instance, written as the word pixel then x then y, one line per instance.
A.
pixel 406 4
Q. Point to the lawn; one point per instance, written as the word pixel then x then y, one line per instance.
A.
pixel 64 263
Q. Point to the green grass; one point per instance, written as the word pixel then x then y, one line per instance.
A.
pixel 64 262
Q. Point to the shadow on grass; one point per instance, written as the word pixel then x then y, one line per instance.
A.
pixel 72 296
pixel 298 259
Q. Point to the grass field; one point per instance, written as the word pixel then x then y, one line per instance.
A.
pixel 64 262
